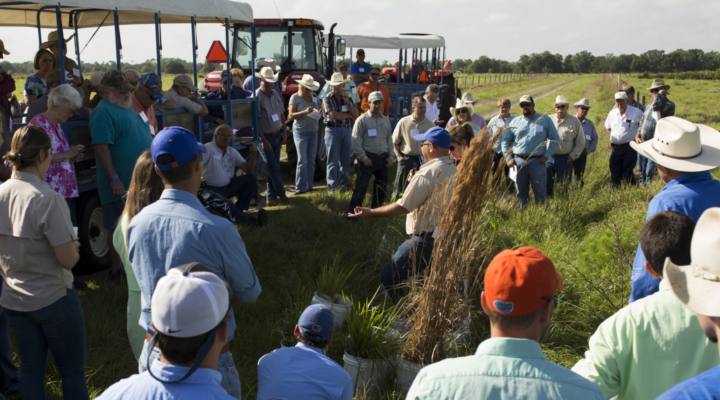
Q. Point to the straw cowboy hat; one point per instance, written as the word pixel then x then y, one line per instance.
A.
pixel 698 285
pixel 467 99
pixel 459 105
pixel 53 40
pixel 659 84
pixel 308 81
pixel 266 74
pixel 2 48
pixel 561 100
pixel 682 146
pixel 582 103
pixel 337 79
pixel 267 62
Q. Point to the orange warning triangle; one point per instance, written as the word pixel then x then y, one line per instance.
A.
pixel 217 53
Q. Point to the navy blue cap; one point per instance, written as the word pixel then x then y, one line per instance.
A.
pixel 437 136
pixel 179 143
pixel 152 82
pixel 317 323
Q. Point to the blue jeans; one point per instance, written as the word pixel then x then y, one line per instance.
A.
pixel 622 164
pixel 377 170
pixel 560 170
pixel 404 167
pixel 230 378
pixel 646 170
pixel 579 167
pixel 10 374
pixel 397 271
pixel 531 172
pixel 306 145
pixel 339 147
pixel 218 198
pixel 59 327
pixel 275 186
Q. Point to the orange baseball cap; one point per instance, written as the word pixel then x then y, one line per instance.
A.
pixel 517 280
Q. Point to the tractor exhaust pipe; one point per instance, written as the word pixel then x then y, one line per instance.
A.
pixel 331 52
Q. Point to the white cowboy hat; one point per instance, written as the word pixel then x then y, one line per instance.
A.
pixel 337 79
pixel 266 74
pixel 659 84
pixel 467 99
pixel 698 285
pixel 682 146
pixel 560 100
pixel 582 103
pixel 53 39
pixel 267 62
pixel 308 81
pixel 459 104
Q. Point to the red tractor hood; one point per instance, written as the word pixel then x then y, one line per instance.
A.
pixel 290 85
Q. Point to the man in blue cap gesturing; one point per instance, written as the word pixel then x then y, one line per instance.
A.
pixel 422 208
pixel 177 229
pixel 303 371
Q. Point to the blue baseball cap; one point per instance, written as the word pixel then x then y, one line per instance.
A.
pixel 153 83
pixel 437 136
pixel 179 143
pixel 317 323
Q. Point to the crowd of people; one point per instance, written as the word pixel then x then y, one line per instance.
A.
pixel 186 267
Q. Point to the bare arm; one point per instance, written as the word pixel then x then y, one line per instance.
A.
pixel 389 211
pixel 397 151
pixel 359 77
pixel 204 110
pixel 67 254
pixel 72 154
pixel 248 166
pixel 29 99
pixel 337 115
pixel 293 114
pixel 102 155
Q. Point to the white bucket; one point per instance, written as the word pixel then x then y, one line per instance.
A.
pixel 406 373
pixel 339 306
pixel 365 373
pixel 400 325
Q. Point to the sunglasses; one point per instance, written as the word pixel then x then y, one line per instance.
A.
pixel 463 111
pixel 654 90
pixel 584 108
pixel 452 148
pixel 553 298
pixel 560 107
pixel 375 74
pixel 525 105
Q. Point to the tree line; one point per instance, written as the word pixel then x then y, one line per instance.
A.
pixel 169 66
pixel 651 61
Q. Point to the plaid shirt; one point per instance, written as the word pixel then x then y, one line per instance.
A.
pixel 665 107
pixel 331 103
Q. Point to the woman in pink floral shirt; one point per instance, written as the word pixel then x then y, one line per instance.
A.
pixel 62 103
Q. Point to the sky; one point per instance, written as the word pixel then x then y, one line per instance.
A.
pixel 471 28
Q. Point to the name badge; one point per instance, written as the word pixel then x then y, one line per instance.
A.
pixel 217 155
pixel 362 69
pixel 354 90
pixel 626 124
pixel 372 132
pixel 76 72
pixel 414 132
pixel 152 130
pixel 588 137
pixel 345 108
pixel 143 116
pixel 275 118
pixel 539 128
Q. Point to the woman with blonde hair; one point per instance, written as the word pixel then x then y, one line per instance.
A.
pixel 460 138
pixel 304 110
pixel 39 247
pixel 145 189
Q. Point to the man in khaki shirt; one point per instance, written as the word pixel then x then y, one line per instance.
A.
pixel 428 191
pixel 372 146
pixel 572 144
pixel 406 148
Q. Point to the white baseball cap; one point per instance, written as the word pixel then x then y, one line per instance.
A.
pixel 620 96
pixel 189 301
pixel 375 96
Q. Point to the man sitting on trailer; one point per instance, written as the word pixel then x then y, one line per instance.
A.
pixel 350 87
pixel 216 114
pixel 181 94
pixel 53 80
pixel 360 71
pixel 259 64
pixel 303 371
pixel 220 183
pixel 146 93
pixel 52 45
pixel 373 85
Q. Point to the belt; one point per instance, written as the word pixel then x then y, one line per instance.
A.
pixel 408 156
pixel 272 134
pixel 619 145
pixel 371 155
pixel 225 348
pixel 526 157
pixel 336 125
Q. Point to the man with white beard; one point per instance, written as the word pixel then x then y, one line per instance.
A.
pixel 119 137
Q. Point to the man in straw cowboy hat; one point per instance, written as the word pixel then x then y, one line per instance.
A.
pixel 260 63
pixel 532 139
pixel 591 138
pixel 52 45
pixel 519 299
pixel 622 122
pixel 339 111
pixel 350 88
pixel 272 133
pixel 665 108
pixel 572 144
pixel 463 112
pixel 630 91
pixel 649 346
pixel 697 286
pixel 685 153
pixel 406 148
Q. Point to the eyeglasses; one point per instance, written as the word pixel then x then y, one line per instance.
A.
pixel 654 90
pixel 561 107
pixel 424 143
pixel 584 108
pixel 525 105
pixel 452 148
pixel 553 298
pixel 375 74
pixel 463 111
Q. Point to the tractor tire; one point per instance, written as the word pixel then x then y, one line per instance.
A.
pixel 94 252
pixel 449 94
pixel 290 149
pixel 387 78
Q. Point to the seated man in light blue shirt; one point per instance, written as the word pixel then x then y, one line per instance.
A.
pixel 533 139
pixel 177 229
pixel 303 371
pixel 519 298
pixel 191 307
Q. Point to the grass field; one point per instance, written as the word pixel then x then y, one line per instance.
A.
pixel 590 233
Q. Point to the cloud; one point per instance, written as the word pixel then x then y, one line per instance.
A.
pixel 496 18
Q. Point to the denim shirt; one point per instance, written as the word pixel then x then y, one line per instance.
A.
pixel 691 194
pixel 530 137
pixel 589 130
pixel 177 230
pixel 215 112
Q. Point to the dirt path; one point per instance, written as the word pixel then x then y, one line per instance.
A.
pixel 539 96
pixel 518 94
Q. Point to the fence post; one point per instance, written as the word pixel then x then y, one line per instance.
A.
pixel 484 79
pixel 643 99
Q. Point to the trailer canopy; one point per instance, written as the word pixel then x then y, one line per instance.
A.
pixel 91 13
pixel 393 42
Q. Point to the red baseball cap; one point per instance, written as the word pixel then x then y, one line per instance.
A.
pixel 517 280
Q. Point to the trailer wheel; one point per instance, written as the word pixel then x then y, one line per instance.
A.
pixel 94 252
